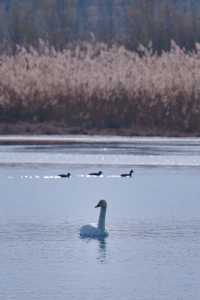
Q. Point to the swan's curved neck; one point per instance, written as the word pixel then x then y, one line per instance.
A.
pixel 102 217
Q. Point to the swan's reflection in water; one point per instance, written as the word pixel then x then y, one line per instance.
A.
pixel 100 245
pixel 101 257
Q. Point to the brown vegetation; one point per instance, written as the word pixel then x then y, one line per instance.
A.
pixel 95 87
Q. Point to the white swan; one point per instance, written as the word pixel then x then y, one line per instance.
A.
pixel 99 230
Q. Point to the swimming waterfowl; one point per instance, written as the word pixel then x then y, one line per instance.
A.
pixel 96 230
pixel 65 175
pixel 96 173
pixel 127 174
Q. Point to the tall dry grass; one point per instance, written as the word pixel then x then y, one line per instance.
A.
pixel 95 86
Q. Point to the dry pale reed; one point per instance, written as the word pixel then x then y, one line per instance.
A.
pixel 101 87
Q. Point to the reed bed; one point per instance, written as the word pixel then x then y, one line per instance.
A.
pixel 93 86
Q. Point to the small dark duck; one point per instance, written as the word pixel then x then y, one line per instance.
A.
pixel 65 175
pixel 96 173
pixel 130 174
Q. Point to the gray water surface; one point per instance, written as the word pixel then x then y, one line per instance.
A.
pixel 153 248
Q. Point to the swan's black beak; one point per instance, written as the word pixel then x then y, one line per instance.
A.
pixel 97 205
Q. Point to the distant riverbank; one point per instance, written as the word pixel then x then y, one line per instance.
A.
pixel 53 128
pixel 94 89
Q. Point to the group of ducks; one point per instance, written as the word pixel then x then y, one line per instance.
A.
pixel 98 174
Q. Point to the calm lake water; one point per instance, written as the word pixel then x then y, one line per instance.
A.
pixel 153 250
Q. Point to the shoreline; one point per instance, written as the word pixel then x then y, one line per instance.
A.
pixel 57 133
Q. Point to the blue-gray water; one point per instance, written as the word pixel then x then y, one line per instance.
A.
pixel 153 250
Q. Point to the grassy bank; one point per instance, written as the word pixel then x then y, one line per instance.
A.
pixel 52 128
pixel 95 89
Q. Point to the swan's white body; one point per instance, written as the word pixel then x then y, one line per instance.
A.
pixel 92 231
pixel 96 230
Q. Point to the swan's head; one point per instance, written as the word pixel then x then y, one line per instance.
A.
pixel 102 203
